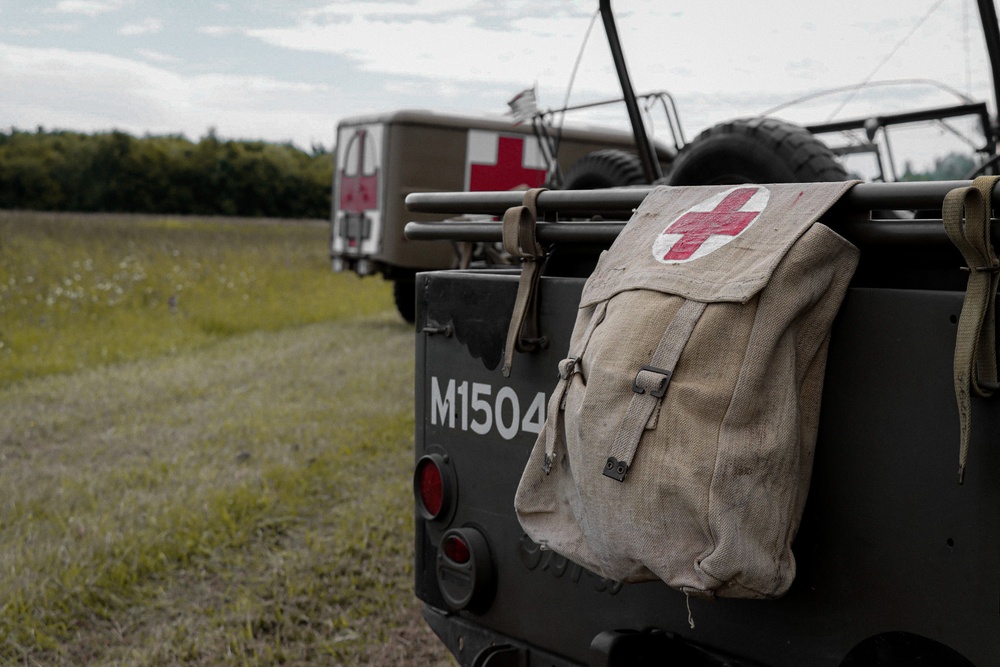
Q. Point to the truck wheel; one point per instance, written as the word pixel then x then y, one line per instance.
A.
pixel 755 150
pixel 404 293
pixel 607 168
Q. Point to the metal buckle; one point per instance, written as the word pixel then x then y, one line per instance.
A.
pixel 566 370
pixel 664 381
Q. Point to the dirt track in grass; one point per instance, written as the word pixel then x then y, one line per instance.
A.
pixel 239 495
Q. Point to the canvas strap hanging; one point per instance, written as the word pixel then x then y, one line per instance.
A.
pixel 966 213
pixel 520 242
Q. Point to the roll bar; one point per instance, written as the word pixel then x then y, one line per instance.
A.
pixel 647 152
pixel 991 33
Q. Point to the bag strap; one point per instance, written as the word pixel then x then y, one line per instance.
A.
pixel 569 367
pixel 519 241
pixel 975 366
pixel 649 387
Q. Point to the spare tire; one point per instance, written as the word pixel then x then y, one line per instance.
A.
pixel 755 150
pixel 606 168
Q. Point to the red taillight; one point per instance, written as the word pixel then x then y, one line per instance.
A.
pixel 434 487
pixel 456 549
pixel 430 486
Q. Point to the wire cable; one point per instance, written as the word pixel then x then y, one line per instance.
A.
pixel 572 76
pixel 887 58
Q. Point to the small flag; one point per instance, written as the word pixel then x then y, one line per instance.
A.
pixel 523 105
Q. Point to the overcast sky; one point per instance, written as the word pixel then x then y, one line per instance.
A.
pixel 288 71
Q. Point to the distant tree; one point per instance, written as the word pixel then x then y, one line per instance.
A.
pixel 318 150
pixel 26 172
pixel 162 174
pixel 951 167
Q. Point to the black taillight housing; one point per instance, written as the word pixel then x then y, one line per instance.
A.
pixel 434 487
pixel 465 571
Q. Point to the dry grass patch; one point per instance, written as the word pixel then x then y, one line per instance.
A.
pixel 237 497
pixel 247 503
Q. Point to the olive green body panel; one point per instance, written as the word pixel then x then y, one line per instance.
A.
pixel 420 151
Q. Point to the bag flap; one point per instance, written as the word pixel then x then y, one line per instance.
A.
pixel 709 243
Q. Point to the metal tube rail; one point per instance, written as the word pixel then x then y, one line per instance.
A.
pixel 866 232
pixel 940 113
pixel 862 198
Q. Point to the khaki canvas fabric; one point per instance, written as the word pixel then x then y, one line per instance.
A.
pixel 709 496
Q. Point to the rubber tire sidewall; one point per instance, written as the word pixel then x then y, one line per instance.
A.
pixel 755 151
pixel 605 168
pixel 404 294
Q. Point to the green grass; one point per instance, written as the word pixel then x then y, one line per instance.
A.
pixel 225 494
pixel 78 291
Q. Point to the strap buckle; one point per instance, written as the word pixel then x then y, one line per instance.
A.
pixel 568 366
pixel 656 391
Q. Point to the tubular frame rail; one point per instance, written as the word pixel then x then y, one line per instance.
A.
pixel 851 216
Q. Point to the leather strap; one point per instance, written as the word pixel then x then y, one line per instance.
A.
pixel 520 242
pixel 975 366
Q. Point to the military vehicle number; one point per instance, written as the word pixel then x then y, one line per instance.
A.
pixel 475 406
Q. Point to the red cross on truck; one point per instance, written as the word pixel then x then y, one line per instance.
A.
pixel 505 168
pixel 359 175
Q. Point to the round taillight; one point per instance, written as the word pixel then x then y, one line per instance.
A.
pixel 434 487
pixel 456 548
pixel 430 486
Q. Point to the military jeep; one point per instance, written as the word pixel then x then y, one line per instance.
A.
pixel 897 563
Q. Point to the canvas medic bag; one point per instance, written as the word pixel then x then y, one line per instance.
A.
pixel 678 443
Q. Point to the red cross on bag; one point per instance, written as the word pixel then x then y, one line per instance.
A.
pixel 710 225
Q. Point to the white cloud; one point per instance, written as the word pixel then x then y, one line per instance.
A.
pixel 157 56
pixel 735 50
pixel 87 7
pixel 145 27
pixel 453 48
pixel 218 31
pixel 62 27
pixel 720 59
pixel 88 91
pixel 393 9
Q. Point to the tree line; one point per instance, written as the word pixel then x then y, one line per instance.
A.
pixel 116 172
pixel 951 167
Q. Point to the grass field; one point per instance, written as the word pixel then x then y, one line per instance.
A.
pixel 205 449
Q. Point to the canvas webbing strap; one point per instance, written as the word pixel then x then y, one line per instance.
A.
pixel 520 242
pixel 649 387
pixel 975 367
pixel 569 367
